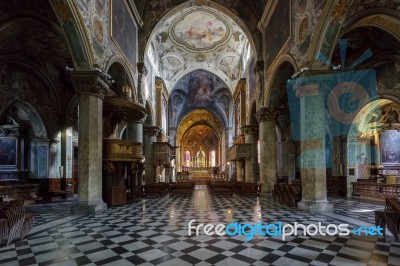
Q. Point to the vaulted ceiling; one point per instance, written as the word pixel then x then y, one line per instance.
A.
pixel 195 37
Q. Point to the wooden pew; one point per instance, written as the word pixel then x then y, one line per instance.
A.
pixel 221 188
pixel 158 189
pixel 248 188
pixel 390 217
pixel 185 188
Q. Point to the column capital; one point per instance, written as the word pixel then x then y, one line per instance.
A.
pixel 90 82
pixel 152 130
pixel 267 114
pixel 249 130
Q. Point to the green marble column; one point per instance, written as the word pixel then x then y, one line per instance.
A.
pixel 312 157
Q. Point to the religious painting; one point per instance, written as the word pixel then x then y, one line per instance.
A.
pixel 199 89
pixel 8 152
pixel 277 32
pixel 200 30
pixel 390 147
pixel 124 30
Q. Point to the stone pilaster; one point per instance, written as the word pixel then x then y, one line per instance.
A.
pixel 150 136
pixel 266 118
pixel 251 167
pixel 91 87
pixel 312 157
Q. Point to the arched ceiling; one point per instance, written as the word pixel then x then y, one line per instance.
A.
pixel 199 117
pixel 198 37
pixel 200 135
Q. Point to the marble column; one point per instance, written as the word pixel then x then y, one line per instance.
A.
pixel 266 118
pixel 240 170
pixel 134 131
pixel 91 87
pixel 251 167
pixel 150 136
pixel 312 146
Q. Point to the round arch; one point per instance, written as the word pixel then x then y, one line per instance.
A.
pixel 284 60
pixel 121 73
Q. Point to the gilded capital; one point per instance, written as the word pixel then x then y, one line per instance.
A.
pixel 152 130
pixel 267 114
pixel 249 130
pixel 90 82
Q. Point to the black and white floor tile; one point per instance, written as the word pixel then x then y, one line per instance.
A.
pixel 153 231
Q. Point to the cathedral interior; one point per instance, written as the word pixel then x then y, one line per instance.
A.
pixel 122 121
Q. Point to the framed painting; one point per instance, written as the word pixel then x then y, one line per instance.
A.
pixel 390 147
pixel 124 30
pixel 278 31
pixel 8 152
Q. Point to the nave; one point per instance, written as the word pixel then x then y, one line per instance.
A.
pixel 153 231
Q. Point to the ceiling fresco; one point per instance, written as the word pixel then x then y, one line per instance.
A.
pixel 200 30
pixel 198 37
pixel 199 89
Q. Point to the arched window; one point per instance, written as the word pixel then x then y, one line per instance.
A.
pixel 187 158
pixel 213 158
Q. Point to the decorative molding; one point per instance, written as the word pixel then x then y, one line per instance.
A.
pixel 267 114
pixel 391 117
pixel 340 9
pixel 152 130
pixel 90 82
pixel 249 130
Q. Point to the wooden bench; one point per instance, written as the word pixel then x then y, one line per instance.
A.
pixel 221 188
pixel 159 189
pixel 248 188
pixel 14 222
pixel 389 217
pixel 185 188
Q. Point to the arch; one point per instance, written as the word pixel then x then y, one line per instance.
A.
pixel 270 99
pixel 75 31
pixel 121 74
pixel 33 117
pixel 385 20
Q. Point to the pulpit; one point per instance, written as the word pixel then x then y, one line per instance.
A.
pixel 121 164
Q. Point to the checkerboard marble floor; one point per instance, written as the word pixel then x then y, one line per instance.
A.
pixel 153 231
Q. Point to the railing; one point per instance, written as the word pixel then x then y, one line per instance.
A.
pixel 239 152
pixel 376 189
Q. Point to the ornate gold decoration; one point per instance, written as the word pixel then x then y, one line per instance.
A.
pixel 98 29
pixel 121 148
pixel 249 130
pixel 267 114
pixel 90 82
pixel 391 117
pixel 152 130
pixel 340 9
